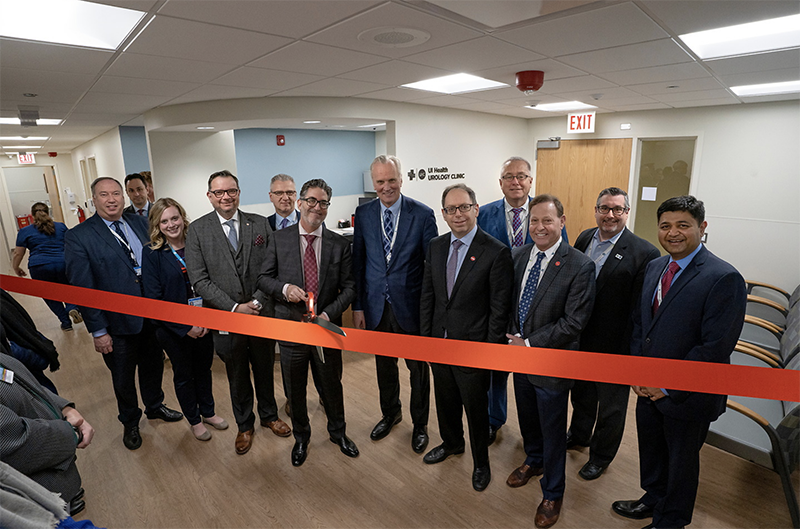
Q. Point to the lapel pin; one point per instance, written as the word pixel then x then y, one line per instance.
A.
pixel 472 258
pixel 558 263
pixel 618 256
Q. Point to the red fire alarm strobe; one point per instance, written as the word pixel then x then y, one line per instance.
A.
pixel 281 140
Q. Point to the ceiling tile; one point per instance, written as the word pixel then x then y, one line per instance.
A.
pixel 396 94
pixel 166 68
pixel 687 16
pixel 21 80
pixel 772 76
pixel 172 37
pixel 130 85
pixel 758 63
pixel 606 27
pixel 307 57
pixel 552 69
pixel 265 79
pixel 50 57
pixel 669 72
pixel 396 73
pixel 654 53
pixel 686 85
pixel 596 96
pixel 574 84
pixel 473 55
pixel 705 103
pixel 695 96
pixel 334 87
pixel 96 102
pixel 212 92
pixel 641 106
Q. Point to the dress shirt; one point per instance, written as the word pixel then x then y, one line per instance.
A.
pixel 290 220
pixel 317 245
pixel 548 254
pixel 510 220
pixel 226 229
pixel 683 263
pixel 146 209
pixel 395 209
pixel 604 246
pixel 466 240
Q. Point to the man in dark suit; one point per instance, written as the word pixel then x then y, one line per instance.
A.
pixel 466 295
pixel 507 221
pixel 389 244
pixel 105 253
pixel 137 190
pixel 553 299
pixel 224 253
pixel 282 194
pixel 692 308
pixel 620 258
pixel 325 271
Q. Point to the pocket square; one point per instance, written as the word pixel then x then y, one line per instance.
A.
pixel 259 241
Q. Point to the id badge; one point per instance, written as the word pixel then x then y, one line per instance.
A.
pixel 196 302
pixel 138 270
pixel 6 375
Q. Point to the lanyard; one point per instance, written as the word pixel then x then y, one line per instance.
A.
pixel 394 235
pixel 183 269
pixel 126 245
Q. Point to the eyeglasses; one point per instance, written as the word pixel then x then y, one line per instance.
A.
pixel 219 193
pixel 617 210
pixel 518 177
pixel 463 208
pixel 281 193
pixel 312 202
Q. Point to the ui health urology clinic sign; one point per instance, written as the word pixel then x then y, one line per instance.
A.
pixel 26 159
pixel 578 122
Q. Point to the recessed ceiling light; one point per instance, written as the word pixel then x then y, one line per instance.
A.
pixel 371 126
pixel 742 39
pixel 40 121
pixel 24 138
pixel 787 87
pixel 455 84
pixel 562 107
pixel 70 22
pixel 311 122
pixel 21 147
pixel 205 128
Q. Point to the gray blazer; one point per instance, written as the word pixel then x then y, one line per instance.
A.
pixel 212 268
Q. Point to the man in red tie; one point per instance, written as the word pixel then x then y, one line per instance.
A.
pixel 692 308
pixel 136 188
pixel 304 259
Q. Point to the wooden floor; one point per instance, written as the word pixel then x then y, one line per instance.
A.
pixel 175 481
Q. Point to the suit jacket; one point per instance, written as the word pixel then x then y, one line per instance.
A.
pixel 212 266
pixel 699 319
pixel 283 265
pixel 479 304
pixel 163 279
pixel 416 227
pixel 560 307
pixel 272 218
pixel 132 210
pixel 619 287
pixel 492 220
pixel 95 259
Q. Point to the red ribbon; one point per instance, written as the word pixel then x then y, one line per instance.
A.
pixel 747 381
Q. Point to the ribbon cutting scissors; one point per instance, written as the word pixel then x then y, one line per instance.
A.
pixel 311 317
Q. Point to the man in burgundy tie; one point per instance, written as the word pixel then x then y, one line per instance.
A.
pixel 136 188
pixel 692 308
pixel 304 259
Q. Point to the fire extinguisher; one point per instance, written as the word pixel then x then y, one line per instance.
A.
pixel 81 214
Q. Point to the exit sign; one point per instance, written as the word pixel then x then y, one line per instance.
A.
pixel 26 159
pixel 578 122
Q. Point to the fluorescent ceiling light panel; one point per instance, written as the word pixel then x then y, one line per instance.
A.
pixel 455 84
pixel 786 87
pixel 69 22
pixel 742 39
pixel 565 106
pixel 311 122
pixel 205 128
pixel 370 126
pixel 40 121
pixel 24 138
pixel 21 147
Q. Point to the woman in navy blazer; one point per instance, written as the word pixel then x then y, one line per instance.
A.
pixel 190 349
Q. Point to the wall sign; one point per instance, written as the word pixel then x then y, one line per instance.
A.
pixel 435 173
pixel 26 159
pixel 578 122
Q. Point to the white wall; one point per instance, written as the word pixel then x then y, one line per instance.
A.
pixel 746 170
pixel 107 151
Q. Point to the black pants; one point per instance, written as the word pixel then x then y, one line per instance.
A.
pixel 241 353
pixel 600 407
pixel 389 377
pixel 129 352
pixel 295 360
pixel 191 372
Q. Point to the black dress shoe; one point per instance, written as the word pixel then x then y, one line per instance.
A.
pixel 131 438
pixel 76 506
pixel 575 443
pixel 440 453
pixel 165 414
pixel 481 477
pixel 493 433
pixel 299 453
pixel 419 439
pixel 591 471
pixel 634 509
pixel 346 445
pixel 384 426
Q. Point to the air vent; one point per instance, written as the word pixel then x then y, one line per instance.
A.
pixel 394 37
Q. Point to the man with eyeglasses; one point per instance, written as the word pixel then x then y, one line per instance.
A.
pixel 466 295
pixel 389 244
pixel 620 258
pixel 303 261
pixel 283 195
pixel 224 253
pixel 507 221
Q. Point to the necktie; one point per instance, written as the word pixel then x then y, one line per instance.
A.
pixel 141 212
pixel 232 236
pixel 530 289
pixel 310 266
pixel 284 223
pixel 666 282
pixel 452 266
pixel 516 224
pixel 388 234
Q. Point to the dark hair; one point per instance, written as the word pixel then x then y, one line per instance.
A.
pixel 134 176
pixel 42 219
pixel 684 203
pixel 157 239
pixel 102 178
pixel 614 192
pixel 224 172
pixel 462 187
pixel 544 198
pixel 316 182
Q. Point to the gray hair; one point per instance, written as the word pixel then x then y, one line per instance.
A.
pixel 280 177
pixel 516 159
pixel 387 158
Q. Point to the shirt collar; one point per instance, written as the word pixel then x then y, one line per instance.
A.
pixel 317 232
pixel 466 239
pixel 509 207
pixel 548 254
pixel 612 240
pixel 110 223
pixel 394 208
pixel 291 216
pixel 223 220
pixel 684 262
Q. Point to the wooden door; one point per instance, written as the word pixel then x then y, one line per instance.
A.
pixel 52 192
pixel 577 171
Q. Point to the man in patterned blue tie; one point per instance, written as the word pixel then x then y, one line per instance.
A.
pixel 283 194
pixel 553 300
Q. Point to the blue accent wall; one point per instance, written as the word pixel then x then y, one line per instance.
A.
pixel 134 149
pixel 338 157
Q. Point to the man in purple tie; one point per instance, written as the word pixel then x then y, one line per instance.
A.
pixel 283 195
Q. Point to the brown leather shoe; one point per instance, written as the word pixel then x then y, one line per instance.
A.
pixel 244 440
pixel 547 513
pixel 278 427
pixel 522 474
